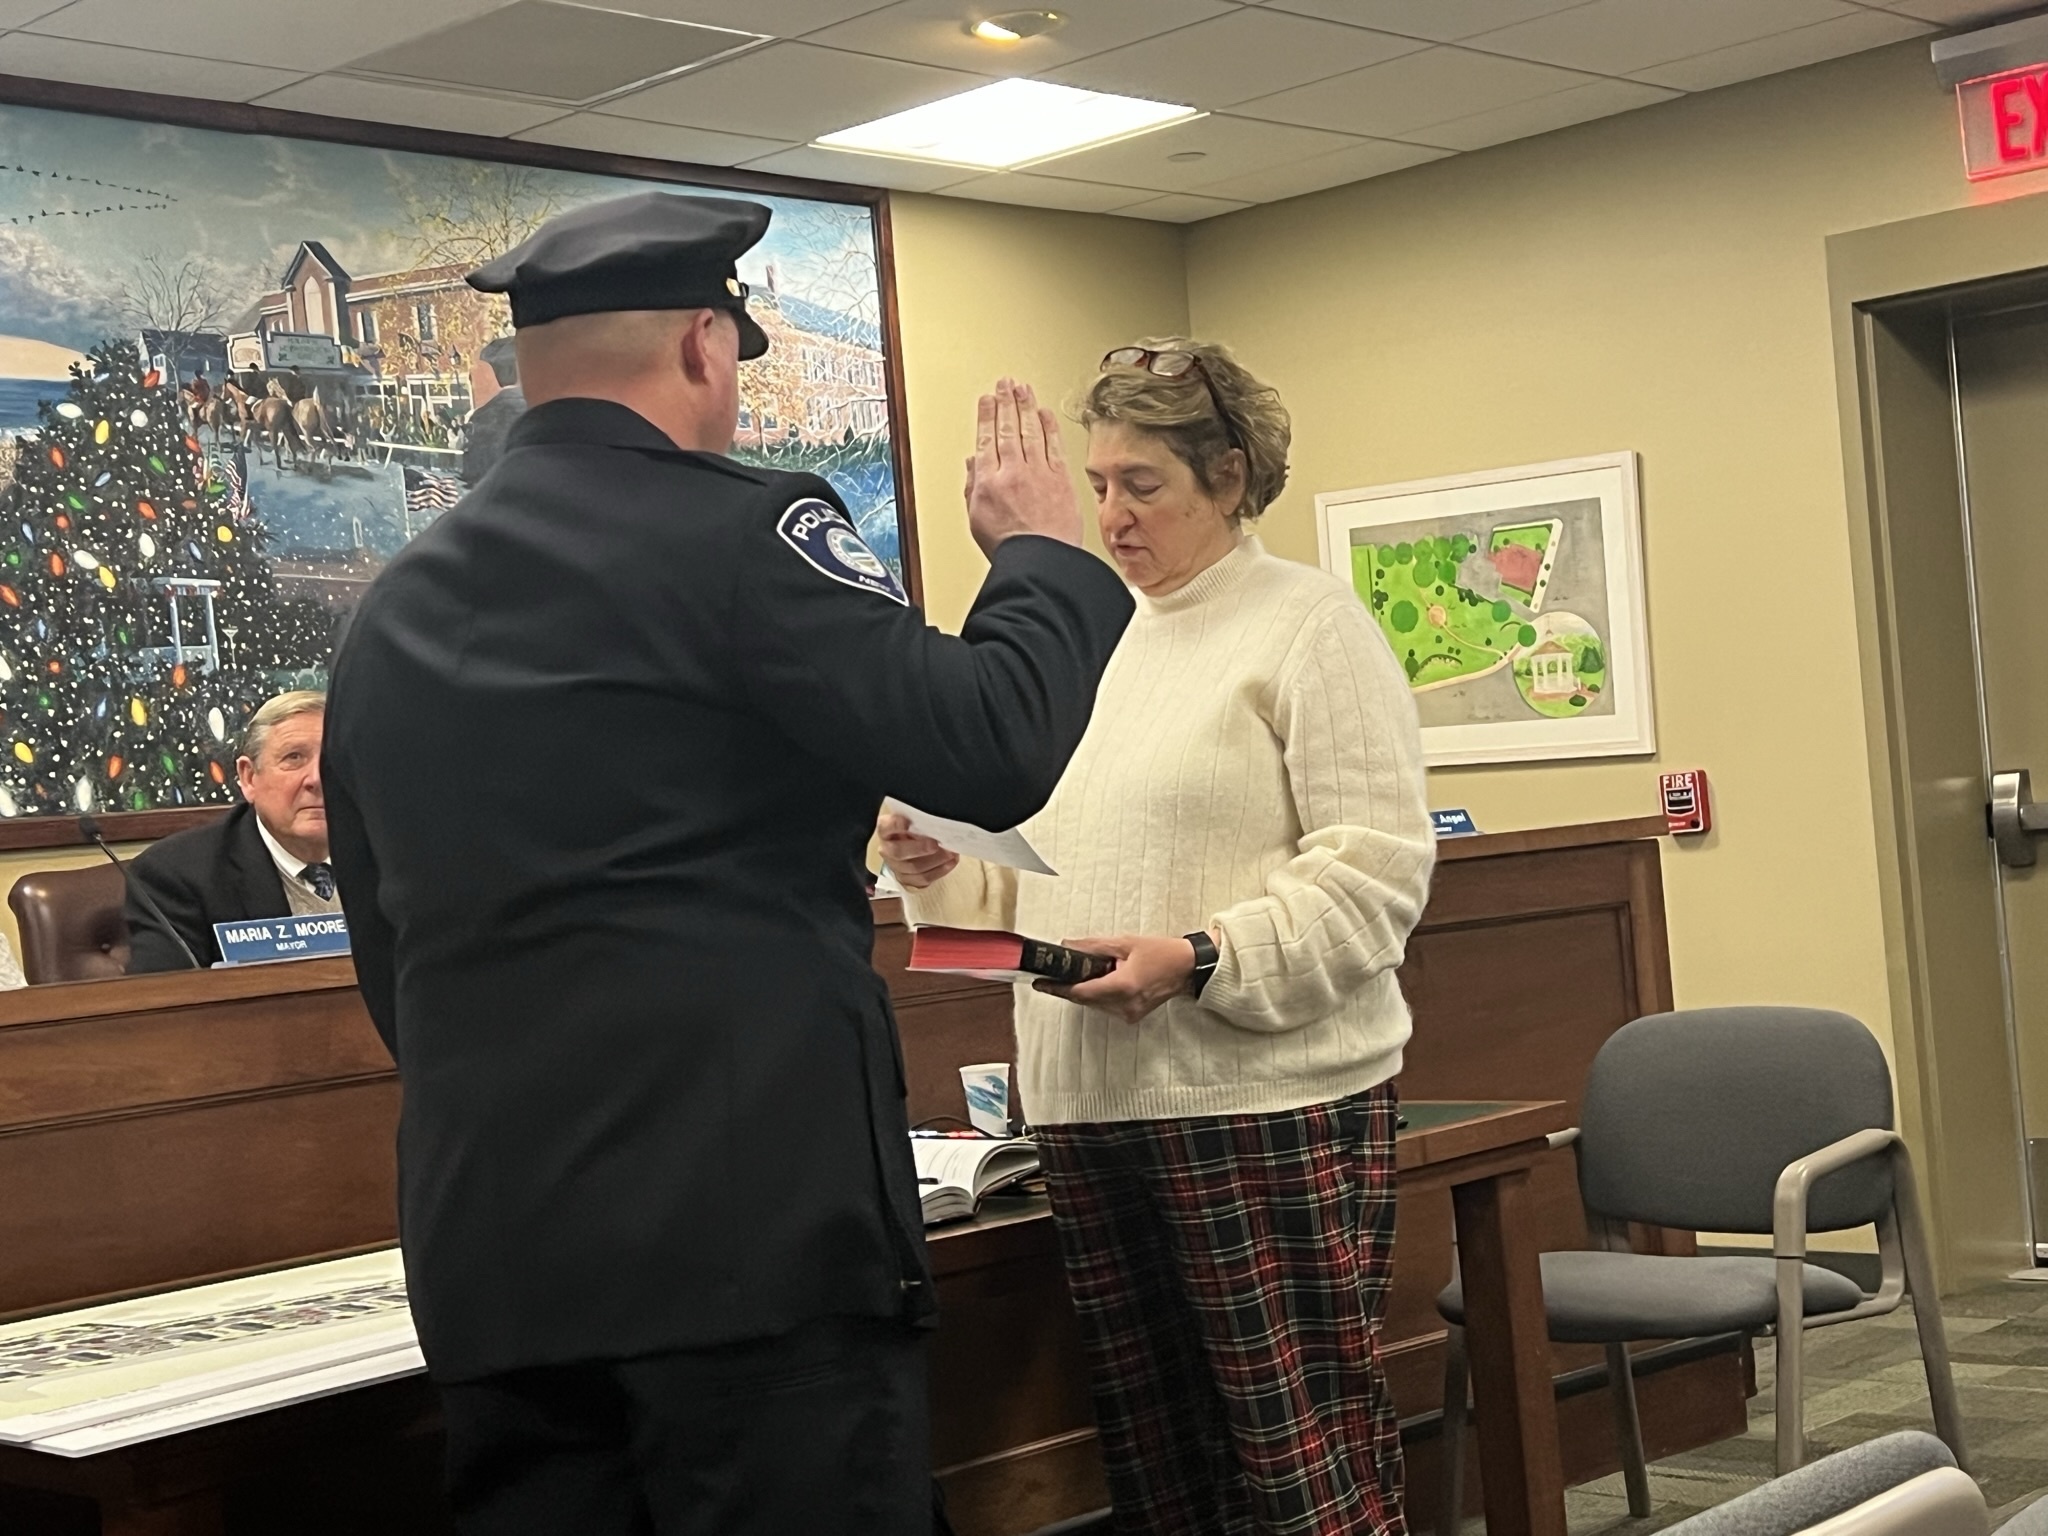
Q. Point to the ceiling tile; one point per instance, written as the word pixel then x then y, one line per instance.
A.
pixel 777 18
pixel 379 101
pixel 792 91
pixel 1421 89
pixel 1372 157
pixel 1442 21
pixel 1029 191
pixel 304 38
pixel 569 53
pixel 17 13
pixel 935 31
pixel 861 170
pixel 1787 50
pixel 653 141
pixel 1525 119
pixel 135 69
pixel 1219 147
pixel 1950 13
pixel 1619 37
pixel 1252 52
pixel 1179 208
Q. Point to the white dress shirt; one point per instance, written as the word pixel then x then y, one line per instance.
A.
pixel 298 891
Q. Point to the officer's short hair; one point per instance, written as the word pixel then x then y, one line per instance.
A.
pixel 274 712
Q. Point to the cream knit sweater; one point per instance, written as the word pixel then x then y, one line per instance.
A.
pixel 1253 766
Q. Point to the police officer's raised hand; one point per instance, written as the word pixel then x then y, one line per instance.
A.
pixel 1019 481
pixel 915 861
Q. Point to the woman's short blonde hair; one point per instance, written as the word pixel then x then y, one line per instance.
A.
pixel 1185 413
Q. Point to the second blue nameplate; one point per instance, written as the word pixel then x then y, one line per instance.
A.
pixel 281 938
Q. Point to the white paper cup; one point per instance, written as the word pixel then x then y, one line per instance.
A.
pixel 987 1085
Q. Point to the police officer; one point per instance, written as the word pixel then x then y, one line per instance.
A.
pixel 605 745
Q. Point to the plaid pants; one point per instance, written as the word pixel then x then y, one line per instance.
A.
pixel 1230 1274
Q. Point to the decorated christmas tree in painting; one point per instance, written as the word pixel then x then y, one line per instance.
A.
pixel 125 569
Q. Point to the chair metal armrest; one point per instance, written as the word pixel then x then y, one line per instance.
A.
pixel 1795 1185
pixel 1944 1502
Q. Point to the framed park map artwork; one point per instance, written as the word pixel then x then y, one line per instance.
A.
pixel 240 368
pixel 1513 600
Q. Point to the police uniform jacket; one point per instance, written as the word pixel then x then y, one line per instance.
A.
pixel 604 748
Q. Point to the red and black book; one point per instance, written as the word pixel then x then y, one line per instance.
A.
pixel 997 956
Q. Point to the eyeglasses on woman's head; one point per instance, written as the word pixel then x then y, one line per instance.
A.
pixel 1174 363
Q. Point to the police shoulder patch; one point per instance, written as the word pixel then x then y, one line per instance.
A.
pixel 827 540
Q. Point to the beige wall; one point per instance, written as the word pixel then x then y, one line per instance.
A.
pixel 987 290
pixel 1657 282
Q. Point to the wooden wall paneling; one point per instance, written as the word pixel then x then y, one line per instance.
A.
pixel 952 1030
pixel 174 1195
pixel 111 1063
pixel 1013 1431
pixel 168 1130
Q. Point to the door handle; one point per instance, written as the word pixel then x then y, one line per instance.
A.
pixel 2015 819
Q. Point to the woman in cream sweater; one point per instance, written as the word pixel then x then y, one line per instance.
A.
pixel 1244 828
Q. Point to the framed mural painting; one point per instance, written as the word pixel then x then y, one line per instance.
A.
pixel 1513 600
pixel 240 368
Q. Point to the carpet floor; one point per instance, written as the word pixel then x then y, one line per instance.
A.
pixel 1864 1380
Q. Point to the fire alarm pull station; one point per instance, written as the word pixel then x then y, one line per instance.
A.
pixel 1686 810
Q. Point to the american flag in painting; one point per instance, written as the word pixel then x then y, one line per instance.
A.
pixel 230 467
pixel 232 471
pixel 427 491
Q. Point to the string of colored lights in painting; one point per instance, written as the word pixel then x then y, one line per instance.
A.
pixel 125 572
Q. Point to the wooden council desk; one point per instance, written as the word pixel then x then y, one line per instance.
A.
pixel 162 1131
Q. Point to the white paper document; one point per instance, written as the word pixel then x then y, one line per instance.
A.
pixel 971 842
pixel 120 1372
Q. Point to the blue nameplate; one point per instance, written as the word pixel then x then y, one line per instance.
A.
pixel 1453 823
pixel 282 938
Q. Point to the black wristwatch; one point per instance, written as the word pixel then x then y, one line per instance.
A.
pixel 1205 962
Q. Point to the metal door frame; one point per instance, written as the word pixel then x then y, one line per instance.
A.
pixel 1895 293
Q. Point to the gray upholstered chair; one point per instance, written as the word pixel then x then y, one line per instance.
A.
pixel 1905 1484
pixel 1752 1120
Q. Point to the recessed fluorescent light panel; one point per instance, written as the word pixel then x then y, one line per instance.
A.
pixel 1015 26
pixel 1008 124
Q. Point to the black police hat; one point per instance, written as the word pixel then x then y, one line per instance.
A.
pixel 648 250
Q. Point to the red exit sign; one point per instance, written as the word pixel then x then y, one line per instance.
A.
pixel 2005 122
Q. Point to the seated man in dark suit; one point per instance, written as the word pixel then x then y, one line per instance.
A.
pixel 266 858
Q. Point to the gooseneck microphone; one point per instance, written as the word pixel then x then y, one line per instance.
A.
pixel 89 829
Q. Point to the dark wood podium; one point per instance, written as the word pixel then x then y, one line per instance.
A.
pixel 166 1130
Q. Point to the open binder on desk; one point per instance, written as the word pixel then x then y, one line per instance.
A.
pixel 955 1176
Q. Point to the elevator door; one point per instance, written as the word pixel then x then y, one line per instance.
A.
pixel 2002 377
